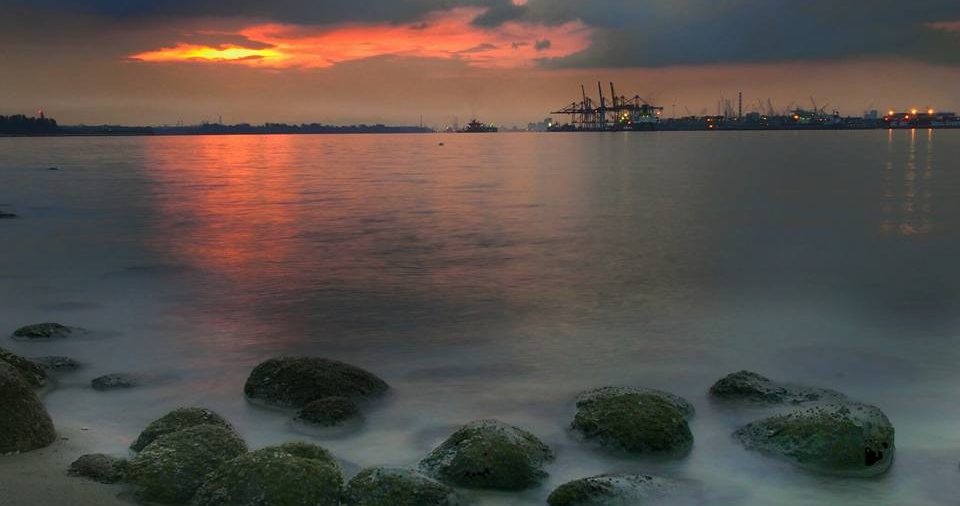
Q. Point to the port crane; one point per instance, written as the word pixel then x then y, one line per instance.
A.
pixel 620 113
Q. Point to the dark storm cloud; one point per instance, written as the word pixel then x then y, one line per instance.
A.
pixel 676 32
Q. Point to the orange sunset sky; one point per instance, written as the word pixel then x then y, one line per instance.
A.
pixel 504 61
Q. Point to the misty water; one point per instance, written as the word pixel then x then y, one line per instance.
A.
pixel 500 275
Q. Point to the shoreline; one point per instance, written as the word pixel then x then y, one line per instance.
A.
pixel 40 477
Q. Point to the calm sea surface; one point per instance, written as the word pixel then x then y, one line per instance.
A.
pixel 500 275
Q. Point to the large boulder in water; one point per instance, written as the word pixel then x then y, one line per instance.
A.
pixel 44 331
pixel 489 454
pixel 751 387
pixel 292 474
pixel 617 490
pixel 636 420
pixel 178 419
pixel 849 439
pixel 296 381
pixel 32 372
pixel 25 424
pixel 171 468
pixel 382 486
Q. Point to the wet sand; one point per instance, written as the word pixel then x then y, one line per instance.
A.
pixel 40 477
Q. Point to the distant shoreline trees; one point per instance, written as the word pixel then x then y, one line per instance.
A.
pixel 19 124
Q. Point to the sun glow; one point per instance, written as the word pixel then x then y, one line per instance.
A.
pixel 444 34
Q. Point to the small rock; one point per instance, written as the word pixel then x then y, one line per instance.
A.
pixel 175 465
pixel 6 215
pixel 382 486
pixel 53 168
pixel 489 454
pixel 749 386
pixel 30 370
pixel 178 419
pixel 57 364
pixel 114 381
pixel 614 489
pixel 99 467
pixel 25 424
pixel 849 439
pixel 44 331
pixel 328 412
pixel 639 421
pixel 296 381
pixel 292 474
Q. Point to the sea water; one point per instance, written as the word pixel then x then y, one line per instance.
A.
pixel 496 276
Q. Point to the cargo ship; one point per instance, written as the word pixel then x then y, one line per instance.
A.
pixel 477 127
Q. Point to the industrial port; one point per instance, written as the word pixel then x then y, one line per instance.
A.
pixel 615 112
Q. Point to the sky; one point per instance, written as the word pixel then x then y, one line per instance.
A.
pixel 503 61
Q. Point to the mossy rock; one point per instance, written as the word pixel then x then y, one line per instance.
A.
pixel 31 371
pixel 682 405
pixel 115 381
pixel 489 454
pixel 328 412
pixel 44 331
pixel 175 420
pixel 634 420
pixel 847 439
pixel 613 490
pixel 25 424
pixel 748 386
pixel 99 467
pixel 383 486
pixel 171 468
pixel 296 381
pixel 57 364
pixel 293 474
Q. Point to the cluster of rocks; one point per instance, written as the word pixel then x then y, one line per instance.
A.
pixel 194 456
pixel 823 431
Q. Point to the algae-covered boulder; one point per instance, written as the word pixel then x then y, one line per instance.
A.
pixel 489 454
pixel 328 412
pixel 99 467
pixel 44 331
pixel 24 422
pixel 29 370
pixel 175 420
pixel 615 490
pixel 383 486
pixel 848 439
pixel 115 381
pixel 635 420
pixel 293 474
pixel 171 468
pixel 295 381
pixel 751 387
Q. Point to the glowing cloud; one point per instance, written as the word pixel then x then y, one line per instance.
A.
pixel 446 35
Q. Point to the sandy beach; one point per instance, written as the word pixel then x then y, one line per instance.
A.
pixel 40 477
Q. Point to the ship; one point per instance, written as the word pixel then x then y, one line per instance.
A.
pixel 477 127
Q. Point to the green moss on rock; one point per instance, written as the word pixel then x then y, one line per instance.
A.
pixel 296 381
pixel 381 486
pixel 32 372
pixel 172 467
pixel 848 439
pixel 328 412
pixel 634 420
pixel 293 474
pixel 613 490
pixel 99 467
pixel 175 420
pixel 489 454
pixel 751 387
pixel 25 424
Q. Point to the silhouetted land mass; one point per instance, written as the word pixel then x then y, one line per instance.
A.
pixel 20 125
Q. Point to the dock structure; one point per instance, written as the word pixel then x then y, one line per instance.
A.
pixel 621 113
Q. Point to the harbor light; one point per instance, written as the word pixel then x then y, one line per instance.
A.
pixel 930 111
pixel 913 111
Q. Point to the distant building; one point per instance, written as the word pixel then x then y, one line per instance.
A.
pixel 872 114
pixel 542 126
